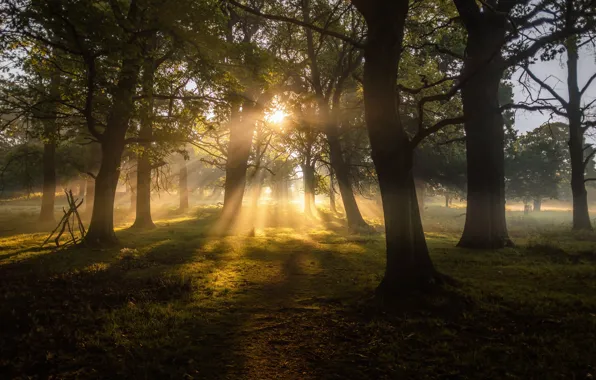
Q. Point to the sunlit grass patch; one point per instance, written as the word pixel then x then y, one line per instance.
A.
pixel 177 301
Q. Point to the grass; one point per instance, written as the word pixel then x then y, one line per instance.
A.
pixel 294 302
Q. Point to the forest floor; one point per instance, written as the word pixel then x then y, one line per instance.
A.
pixel 294 302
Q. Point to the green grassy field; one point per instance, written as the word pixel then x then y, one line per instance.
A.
pixel 294 302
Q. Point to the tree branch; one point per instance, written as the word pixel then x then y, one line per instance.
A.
pixel 583 90
pixel 436 127
pixel 315 28
pixel 545 86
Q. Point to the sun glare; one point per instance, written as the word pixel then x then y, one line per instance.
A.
pixel 276 116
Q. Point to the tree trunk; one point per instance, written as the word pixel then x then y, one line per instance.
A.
pixel 420 194
pixel 331 119
pixel 132 187
pixel 91 166
pixel 332 205
pixel 581 215
pixel 49 114
pixel 143 218
pixel 81 188
pixel 239 146
pixel 447 200
pixel 49 183
pixel 485 226
pixel 257 185
pixel 342 173
pixel 408 263
pixel 89 195
pixel 537 204
pixel 101 228
pixel 183 187
pixel 308 174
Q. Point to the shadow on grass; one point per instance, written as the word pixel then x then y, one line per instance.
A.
pixel 82 314
pixel 178 303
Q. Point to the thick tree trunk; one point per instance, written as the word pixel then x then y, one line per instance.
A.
pixel 581 215
pixel 101 228
pixel 537 204
pixel 239 146
pixel 308 175
pixel 420 194
pixel 485 226
pixel 447 200
pixel 50 127
pixel 183 187
pixel 408 263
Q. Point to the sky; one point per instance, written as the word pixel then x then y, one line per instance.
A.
pixel 555 74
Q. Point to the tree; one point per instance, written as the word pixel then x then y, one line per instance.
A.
pixel 111 56
pixel 328 102
pixel 569 16
pixel 482 72
pixel 408 263
pixel 536 166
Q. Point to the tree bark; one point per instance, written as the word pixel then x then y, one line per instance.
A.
pixel 408 263
pixel 50 131
pixel 485 226
pixel 132 187
pixel 342 173
pixel 101 228
pixel 308 174
pixel 447 200
pixel 143 218
pixel 91 166
pixel 332 205
pixel 581 215
pixel 537 204
pixel 183 187
pixel 420 194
